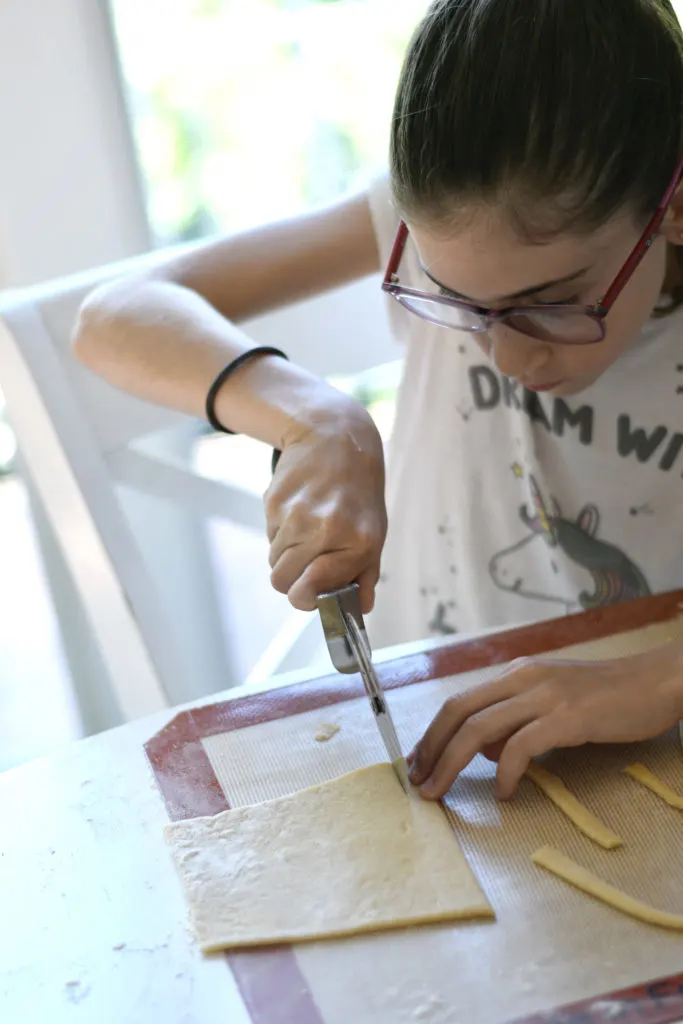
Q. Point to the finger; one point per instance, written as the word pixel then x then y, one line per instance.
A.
pixel 274 508
pixel 478 731
pixel 289 567
pixel 492 751
pixel 367 581
pixel 313 535
pixel 536 738
pixel 454 713
pixel 326 573
pixel 273 525
pixel 278 545
pixel 286 508
pixel 285 535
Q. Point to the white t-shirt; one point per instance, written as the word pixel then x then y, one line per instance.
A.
pixel 507 506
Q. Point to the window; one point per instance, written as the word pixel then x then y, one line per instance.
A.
pixel 245 111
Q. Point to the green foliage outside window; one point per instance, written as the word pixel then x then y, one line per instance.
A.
pixel 246 111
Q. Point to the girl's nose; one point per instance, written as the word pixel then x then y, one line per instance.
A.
pixel 515 354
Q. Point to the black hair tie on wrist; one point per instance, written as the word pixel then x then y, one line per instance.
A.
pixel 226 372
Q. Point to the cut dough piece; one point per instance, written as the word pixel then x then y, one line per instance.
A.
pixel 642 774
pixel 325 731
pixel 567 869
pixel 575 811
pixel 348 856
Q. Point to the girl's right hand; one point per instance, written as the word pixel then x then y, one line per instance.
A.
pixel 325 509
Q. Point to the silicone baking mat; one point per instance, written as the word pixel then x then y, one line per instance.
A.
pixel 550 945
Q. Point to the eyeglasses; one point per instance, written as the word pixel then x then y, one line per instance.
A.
pixel 565 324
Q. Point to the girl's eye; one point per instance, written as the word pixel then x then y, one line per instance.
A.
pixel 572 301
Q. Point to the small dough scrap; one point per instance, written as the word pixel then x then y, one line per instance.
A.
pixel 567 869
pixel 643 775
pixel 325 731
pixel 349 856
pixel 569 805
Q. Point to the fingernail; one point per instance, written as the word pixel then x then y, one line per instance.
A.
pixel 428 789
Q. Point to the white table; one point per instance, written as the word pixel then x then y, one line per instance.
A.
pixel 94 924
pixel 93 919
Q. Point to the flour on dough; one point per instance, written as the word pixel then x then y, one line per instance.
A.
pixel 348 856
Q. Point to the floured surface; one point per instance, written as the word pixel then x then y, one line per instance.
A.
pixel 550 944
pixel 348 856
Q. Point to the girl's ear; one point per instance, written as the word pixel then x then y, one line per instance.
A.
pixel 672 225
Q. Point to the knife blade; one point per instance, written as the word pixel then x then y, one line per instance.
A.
pixel 350 651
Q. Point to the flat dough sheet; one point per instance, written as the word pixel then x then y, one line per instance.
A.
pixel 348 856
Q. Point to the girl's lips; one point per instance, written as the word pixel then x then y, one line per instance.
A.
pixel 544 387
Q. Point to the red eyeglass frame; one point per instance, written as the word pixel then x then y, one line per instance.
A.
pixel 597 312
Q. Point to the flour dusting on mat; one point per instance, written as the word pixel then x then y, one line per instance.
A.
pixel 609 1009
pixel 427 1011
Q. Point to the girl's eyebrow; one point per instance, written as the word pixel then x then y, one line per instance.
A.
pixel 523 294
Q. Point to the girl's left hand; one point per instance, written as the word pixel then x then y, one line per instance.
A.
pixel 538 704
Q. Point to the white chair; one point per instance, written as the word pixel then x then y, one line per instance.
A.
pixel 134 588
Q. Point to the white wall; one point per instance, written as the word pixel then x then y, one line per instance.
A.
pixel 70 194
pixel 71 198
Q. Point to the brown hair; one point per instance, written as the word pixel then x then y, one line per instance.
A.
pixel 566 111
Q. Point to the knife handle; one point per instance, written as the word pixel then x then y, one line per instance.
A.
pixel 333 607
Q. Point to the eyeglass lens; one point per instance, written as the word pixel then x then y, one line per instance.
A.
pixel 562 325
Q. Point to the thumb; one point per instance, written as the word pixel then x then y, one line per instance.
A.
pixel 367 581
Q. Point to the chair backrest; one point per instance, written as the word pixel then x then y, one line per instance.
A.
pixel 77 437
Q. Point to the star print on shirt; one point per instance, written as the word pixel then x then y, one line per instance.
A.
pixel 517 470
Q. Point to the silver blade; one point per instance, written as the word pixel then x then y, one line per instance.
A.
pixel 360 647
pixel 332 608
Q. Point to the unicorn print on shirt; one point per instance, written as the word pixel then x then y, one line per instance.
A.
pixel 606 574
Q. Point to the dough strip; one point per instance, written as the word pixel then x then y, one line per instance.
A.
pixel 556 790
pixel 569 871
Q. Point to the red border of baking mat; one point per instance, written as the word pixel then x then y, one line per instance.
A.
pixel 656 1002
pixel 270 982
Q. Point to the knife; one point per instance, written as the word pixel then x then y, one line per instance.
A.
pixel 349 647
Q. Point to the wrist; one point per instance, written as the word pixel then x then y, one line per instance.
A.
pixel 262 399
pixel 329 412
pixel 280 403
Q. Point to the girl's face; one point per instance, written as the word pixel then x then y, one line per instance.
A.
pixel 484 262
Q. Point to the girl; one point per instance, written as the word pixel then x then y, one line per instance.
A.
pixel 537 459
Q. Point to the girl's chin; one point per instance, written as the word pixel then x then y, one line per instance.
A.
pixel 571 386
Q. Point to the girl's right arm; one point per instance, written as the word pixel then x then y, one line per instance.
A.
pixel 165 334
